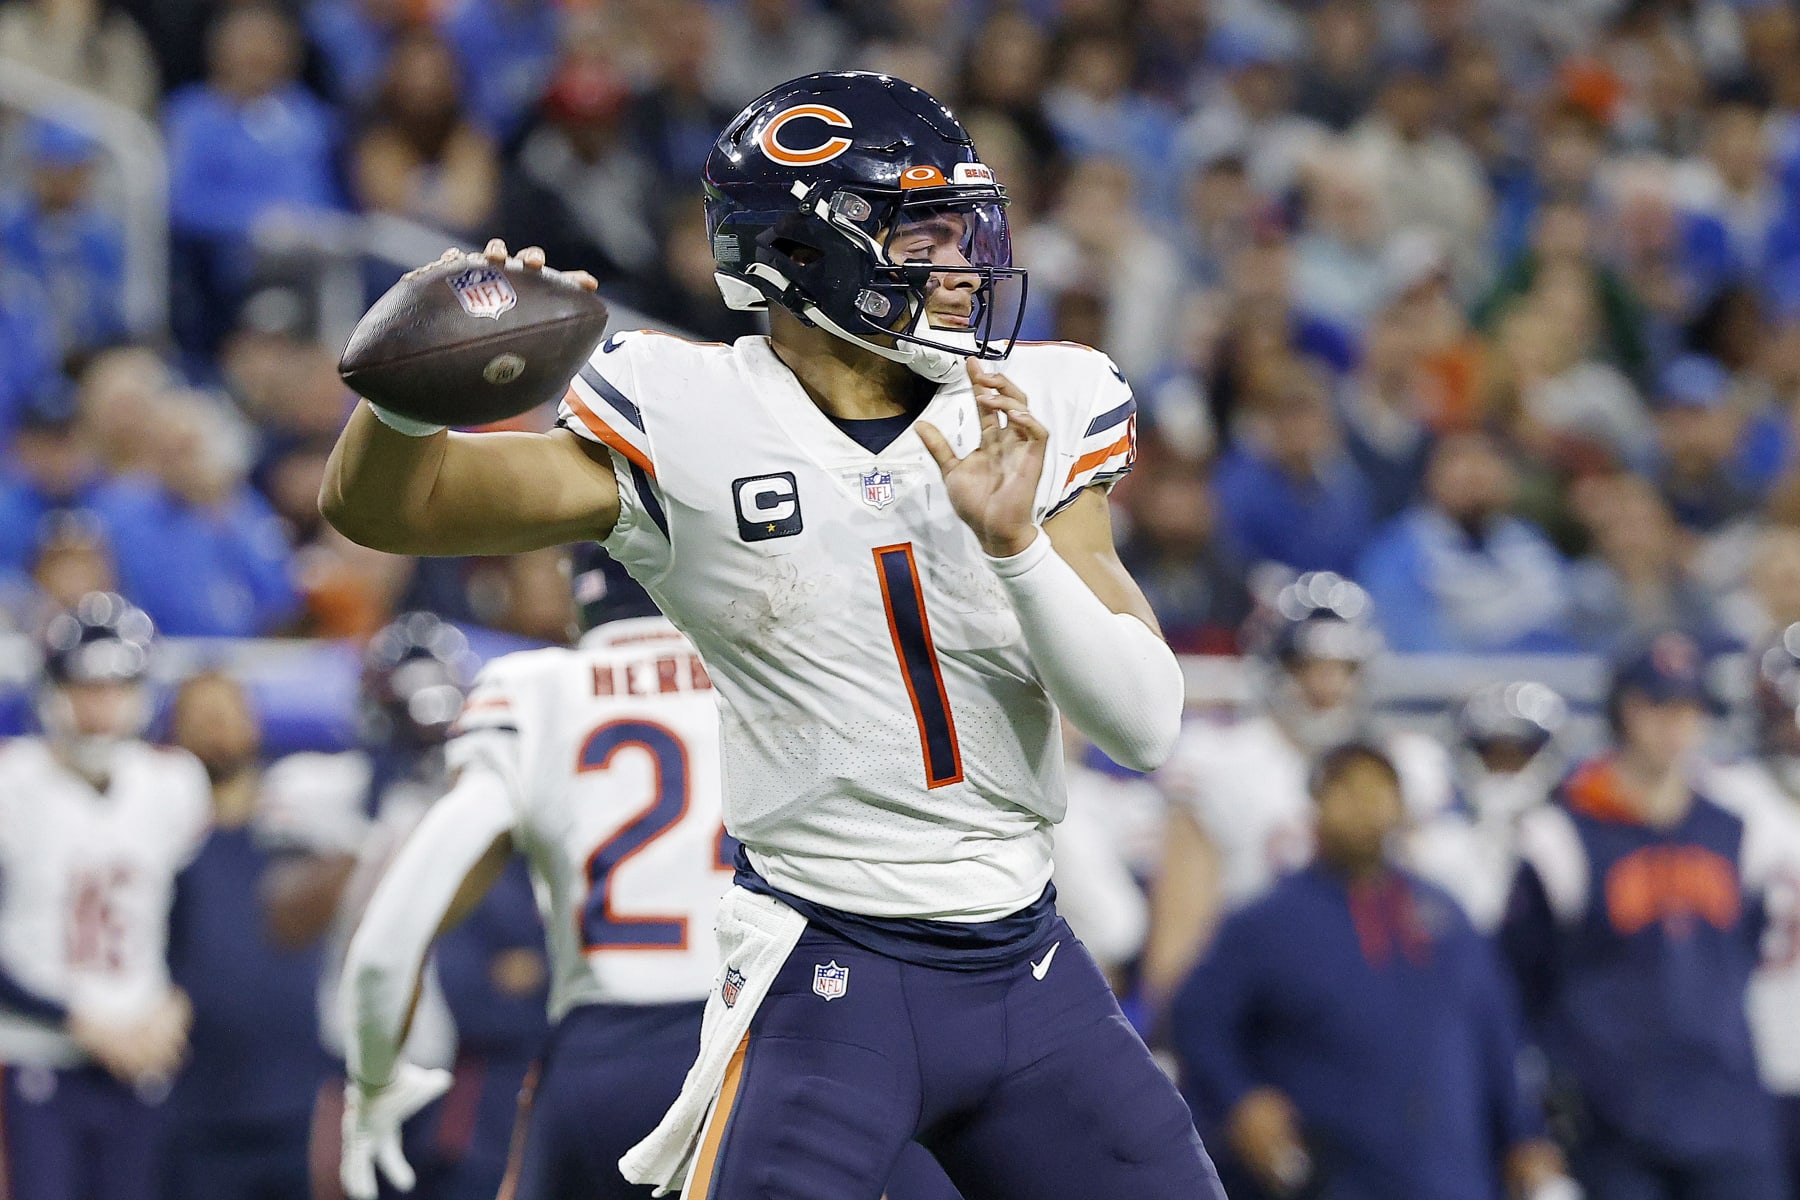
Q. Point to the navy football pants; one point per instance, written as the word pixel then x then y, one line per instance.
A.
pixel 1614 1168
pixel 78 1134
pixel 1026 1083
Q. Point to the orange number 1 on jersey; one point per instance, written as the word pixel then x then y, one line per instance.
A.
pixel 908 625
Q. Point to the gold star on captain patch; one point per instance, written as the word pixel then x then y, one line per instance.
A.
pixel 771 527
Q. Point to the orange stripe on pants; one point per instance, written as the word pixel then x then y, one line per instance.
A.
pixel 707 1163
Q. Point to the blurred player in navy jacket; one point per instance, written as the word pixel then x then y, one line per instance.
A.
pixel 239 1115
pixel 1351 1031
pixel 1633 929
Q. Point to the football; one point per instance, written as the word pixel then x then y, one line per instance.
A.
pixel 468 342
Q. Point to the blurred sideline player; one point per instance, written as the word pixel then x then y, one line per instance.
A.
pixel 94 826
pixel 1633 930
pixel 599 765
pixel 343 817
pixel 1764 791
pixel 899 567
pixel 1509 758
pixel 1239 814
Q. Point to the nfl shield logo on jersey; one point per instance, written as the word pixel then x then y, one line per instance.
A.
pixel 831 980
pixel 877 488
pixel 732 987
pixel 483 292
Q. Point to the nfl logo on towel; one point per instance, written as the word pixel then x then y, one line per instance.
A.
pixel 732 987
pixel 483 292
pixel 878 488
pixel 831 980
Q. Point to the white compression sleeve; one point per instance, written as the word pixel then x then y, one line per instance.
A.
pixel 387 953
pixel 1109 672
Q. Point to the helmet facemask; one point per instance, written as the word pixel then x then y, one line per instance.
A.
pixel 840 262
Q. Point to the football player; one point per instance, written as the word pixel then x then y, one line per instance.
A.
pixel 1239 813
pixel 1764 791
pixel 1509 758
pixel 95 824
pixel 341 818
pixel 897 564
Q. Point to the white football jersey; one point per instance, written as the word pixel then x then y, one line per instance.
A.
pixel 610 755
pixel 1246 784
pixel 86 880
pixel 889 749
pixel 1772 861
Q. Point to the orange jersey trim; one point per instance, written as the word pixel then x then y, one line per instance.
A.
pixel 1095 457
pixel 600 429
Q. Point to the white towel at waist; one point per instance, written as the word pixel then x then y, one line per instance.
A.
pixel 756 935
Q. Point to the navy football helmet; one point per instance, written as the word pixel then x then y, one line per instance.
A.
pixel 604 591
pixel 104 639
pixel 416 672
pixel 1523 715
pixel 809 192
pixel 1320 615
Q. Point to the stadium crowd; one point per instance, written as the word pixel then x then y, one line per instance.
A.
pixel 1464 326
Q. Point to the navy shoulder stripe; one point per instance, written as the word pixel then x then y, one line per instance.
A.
pixel 612 395
pixel 1111 417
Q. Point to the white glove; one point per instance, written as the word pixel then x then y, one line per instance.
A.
pixel 372 1121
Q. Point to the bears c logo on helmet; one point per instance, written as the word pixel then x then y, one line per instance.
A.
pixel 769 141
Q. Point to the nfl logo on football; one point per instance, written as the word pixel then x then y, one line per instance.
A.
pixel 732 987
pixel 877 488
pixel 483 292
pixel 831 980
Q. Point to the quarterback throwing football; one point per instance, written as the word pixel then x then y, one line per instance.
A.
pixel 898 567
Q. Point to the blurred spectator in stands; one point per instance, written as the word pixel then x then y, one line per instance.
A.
pixel 683 292
pixel 354 39
pixel 239 1114
pixel 1239 816
pixel 29 365
pixel 1385 407
pixel 527 595
pixel 1424 177
pixel 675 121
pixel 1175 412
pixel 1003 74
pixel 1661 110
pixel 1768 599
pixel 1562 243
pixel 1338 80
pixel 119 397
pixel 419 156
pixel 580 189
pixel 507 49
pixel 1633 932
pixel 1095 112
pixel 1731 179
pixel 1288 492
pixel 1098 239
pixel 1636 579
pixel 53 230
pixel 349 590
pixel 1218 219
pixel 1698 428
pixel 1174 551
pixel 1551 393
pixel 72 558
pixel 51 467
pixel 1169 52
pixel 89 44
pixel 1247 116
pixel 247 148
pixel 198 512
pixel 1507 745
pixel 762 43
pixel 1488 115
pixel 1570 145
pixel 1458 573
pixel 1674 259
pixel 1350 1034
pixel 1338 252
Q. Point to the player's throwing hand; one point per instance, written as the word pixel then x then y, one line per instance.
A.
pixel 994 487
pixel 372 1121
